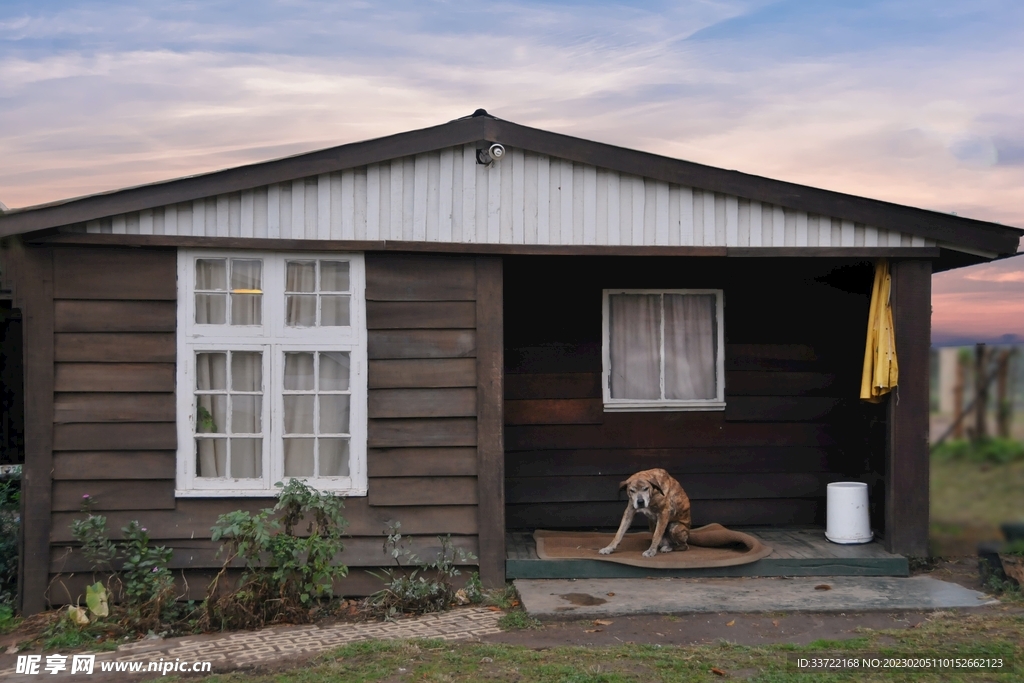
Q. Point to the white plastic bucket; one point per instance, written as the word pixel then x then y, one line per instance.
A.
pixel 848 520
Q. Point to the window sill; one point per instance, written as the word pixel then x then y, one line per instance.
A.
pixel 663 406
pixel 258 493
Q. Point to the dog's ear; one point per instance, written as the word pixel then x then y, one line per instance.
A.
pixel 657 488
pixel 623 484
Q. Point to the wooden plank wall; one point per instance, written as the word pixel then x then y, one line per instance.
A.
pixel 113 419
pixel 795 334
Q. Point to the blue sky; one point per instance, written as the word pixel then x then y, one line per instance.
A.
pixel 915 102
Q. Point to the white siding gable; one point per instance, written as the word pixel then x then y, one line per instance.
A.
pixel 523 198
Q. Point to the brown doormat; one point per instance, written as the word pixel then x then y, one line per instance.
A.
pixel 710 546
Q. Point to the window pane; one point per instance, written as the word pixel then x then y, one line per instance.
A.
pixel 334 311
pixel 246 309
pixel 333 457
pixel 334 371
pixel 333 276
pixel 211 414
pixel 301 276
pixel 246 274
pixel 211 274
pixel 211 457
pixel 298 457
pixel 211 371
pixel 333 413
pixel 300 310
pixel 690 338
pixel 298 371
pixel 246 414
pixel 246 371
pixel 246 458
pixel 298 414
pixel 635 328
pixel 211 309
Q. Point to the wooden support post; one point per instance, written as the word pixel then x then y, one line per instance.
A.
pixel 980 393
pixel 36 289
pixel 490 348
pixel 906 505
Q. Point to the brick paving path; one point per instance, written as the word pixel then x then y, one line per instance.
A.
pixel 245 648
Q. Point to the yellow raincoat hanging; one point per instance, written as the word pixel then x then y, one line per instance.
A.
pixel 881 372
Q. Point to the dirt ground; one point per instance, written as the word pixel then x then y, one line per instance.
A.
pixel 703 629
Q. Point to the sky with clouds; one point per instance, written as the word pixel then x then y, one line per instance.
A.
pixel 918 102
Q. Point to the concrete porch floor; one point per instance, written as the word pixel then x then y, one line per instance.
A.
pixel 796 551
pixel 586 598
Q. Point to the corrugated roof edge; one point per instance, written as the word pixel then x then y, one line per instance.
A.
pixel 955 231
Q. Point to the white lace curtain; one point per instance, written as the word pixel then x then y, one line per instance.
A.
pixel 663 346
pixel 229 414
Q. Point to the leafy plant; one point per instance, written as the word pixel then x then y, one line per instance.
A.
pixel 285 573
pixel 148 584
pixel 417 586
pixel 144 580
pixel 206 421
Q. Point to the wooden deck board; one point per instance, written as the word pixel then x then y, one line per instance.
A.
pixel 798 551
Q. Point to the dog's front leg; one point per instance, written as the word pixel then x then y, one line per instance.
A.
pixel 659 532
pixel 627 520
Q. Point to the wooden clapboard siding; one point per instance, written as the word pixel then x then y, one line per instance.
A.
pixel 792 422
pixel 448 402
pixel 104 377
pixel 109 347
pixel 115 274
pixel 113 407
pixel 116 465
pixel 192 518
pixel 113 494
pixel 422 373
pixel 358 552
pixel 422 462
pixel 113 423
pixel 393 344
pixel 114 316
pixel 387 315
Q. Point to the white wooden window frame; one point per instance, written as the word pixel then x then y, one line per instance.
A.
pixel 662 405
pixel 273 338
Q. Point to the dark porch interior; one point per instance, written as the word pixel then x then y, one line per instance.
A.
pixel 794 332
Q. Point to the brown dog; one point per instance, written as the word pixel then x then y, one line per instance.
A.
pixel 657 495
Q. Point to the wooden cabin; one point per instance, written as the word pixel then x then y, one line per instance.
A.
pixel 471 340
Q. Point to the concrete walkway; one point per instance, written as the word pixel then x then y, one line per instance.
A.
pixel 580 598
pixel 240 649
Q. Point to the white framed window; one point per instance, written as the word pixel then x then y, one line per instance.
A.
pixel 663 349
pixel 271 374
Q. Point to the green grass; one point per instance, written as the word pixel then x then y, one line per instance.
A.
pixel 945 633
pixel 517 621
pixel 969 500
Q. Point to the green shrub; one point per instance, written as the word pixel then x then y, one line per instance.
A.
pixel 144 580
pixel 995 451
pixel 416 586
pixel 285 574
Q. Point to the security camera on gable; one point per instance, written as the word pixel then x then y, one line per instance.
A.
pixel 490 155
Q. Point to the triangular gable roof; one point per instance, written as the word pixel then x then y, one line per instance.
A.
pixel 947 230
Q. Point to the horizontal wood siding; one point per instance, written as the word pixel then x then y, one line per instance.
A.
pixel 114 410
pixel 792 423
